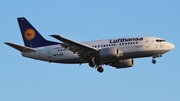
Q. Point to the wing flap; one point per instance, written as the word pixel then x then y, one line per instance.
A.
pixel 20 48
pixel 75 47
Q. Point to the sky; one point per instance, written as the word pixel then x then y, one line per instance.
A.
pixel 23 79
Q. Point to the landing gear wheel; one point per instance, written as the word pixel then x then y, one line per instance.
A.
pixel 154 61
pixel 92 62
pixel 100 69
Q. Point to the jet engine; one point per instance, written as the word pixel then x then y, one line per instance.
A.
pixel 123 63
pixel 112 53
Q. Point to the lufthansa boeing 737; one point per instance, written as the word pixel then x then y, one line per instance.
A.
pixel 118 52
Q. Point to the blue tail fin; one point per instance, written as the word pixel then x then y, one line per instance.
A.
pixel 31 37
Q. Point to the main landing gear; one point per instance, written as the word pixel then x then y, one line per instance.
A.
pixel 100 69
pixel 92 63
pixel 98 65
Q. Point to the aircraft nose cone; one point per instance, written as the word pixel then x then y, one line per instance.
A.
pixel 171 46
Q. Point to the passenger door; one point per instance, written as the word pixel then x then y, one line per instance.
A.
pixel 147 43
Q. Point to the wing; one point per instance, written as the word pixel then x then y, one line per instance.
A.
pixel 76 47
pixel 20 48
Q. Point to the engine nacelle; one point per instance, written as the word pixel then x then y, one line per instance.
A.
pixel 123 63
pixel 110 53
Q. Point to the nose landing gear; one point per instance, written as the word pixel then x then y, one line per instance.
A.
pixel 154 61
pixel 155 56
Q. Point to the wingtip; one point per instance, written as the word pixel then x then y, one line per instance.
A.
pixel 6 42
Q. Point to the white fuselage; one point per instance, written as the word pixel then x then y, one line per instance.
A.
pixel 131 48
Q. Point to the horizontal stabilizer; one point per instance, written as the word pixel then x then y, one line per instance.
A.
pixel 20 48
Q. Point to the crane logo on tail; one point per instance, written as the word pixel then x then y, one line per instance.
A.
pixel 29 34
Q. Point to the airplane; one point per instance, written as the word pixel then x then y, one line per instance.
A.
pixel 117 52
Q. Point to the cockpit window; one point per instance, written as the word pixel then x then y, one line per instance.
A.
pixel 160 40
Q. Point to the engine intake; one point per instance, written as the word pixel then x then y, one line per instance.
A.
pixel 110 53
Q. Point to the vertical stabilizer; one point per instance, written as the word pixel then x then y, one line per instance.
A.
pixel 31 37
